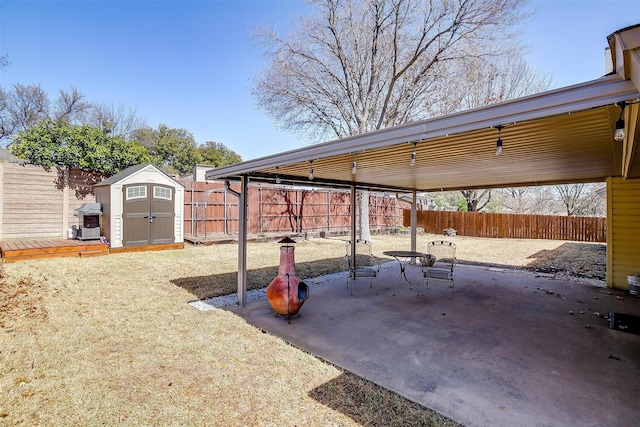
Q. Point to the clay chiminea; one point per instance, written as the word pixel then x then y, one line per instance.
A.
pixel 287 292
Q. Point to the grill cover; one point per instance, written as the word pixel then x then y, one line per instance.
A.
pixel 88 209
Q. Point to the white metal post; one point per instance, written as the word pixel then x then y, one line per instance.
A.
pixel 414 220
pixel 242 244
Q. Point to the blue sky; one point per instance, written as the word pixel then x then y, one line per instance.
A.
pixel 190 64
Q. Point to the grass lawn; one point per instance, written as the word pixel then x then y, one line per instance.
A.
pixel 111 340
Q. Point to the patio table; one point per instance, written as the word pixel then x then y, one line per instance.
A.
pixel 403 258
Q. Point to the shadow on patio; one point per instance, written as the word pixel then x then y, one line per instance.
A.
pixel 203 287
pixel 509 349
pixel 577 259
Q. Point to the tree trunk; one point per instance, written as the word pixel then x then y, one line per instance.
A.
pixel 365 232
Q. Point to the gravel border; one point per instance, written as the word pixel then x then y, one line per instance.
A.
pixel 257 294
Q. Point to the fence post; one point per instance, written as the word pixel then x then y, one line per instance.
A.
pixel 205 220
pixel 196 219
pixel 191 211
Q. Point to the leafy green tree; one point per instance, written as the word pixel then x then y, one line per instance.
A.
pixel 216 154
pixel 465 201
pixel 60 144
pixel 449 200
pixel 173 150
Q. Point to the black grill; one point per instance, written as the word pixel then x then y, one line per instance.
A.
pixel 89 221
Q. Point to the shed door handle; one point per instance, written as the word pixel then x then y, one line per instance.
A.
pixel 150 215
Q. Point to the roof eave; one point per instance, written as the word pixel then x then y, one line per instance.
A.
pixel 606 90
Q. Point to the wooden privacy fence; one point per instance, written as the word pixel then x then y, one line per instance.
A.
pixel 210 208
pixel 40 203
pixel 483 224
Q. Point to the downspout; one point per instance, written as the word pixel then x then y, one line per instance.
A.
pixel 242 239
pixel 224 215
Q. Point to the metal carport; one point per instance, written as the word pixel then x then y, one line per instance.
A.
pixel 560 136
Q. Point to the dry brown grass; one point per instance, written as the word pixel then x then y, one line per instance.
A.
pixel 111 340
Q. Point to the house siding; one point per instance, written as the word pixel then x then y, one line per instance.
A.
pixel 623 231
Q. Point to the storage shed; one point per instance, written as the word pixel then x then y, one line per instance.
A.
pixel 141 206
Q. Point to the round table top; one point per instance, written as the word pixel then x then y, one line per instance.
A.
pixel 403 254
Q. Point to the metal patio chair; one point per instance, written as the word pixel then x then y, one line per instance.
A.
pixel 439 263
pixel 366 264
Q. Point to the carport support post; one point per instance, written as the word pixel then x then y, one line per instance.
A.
pixel 242 243
pixel 414 221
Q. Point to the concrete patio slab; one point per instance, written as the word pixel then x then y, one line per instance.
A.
pixel 509 349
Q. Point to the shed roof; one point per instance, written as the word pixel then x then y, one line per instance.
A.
pixel 560 136
pixel 132 170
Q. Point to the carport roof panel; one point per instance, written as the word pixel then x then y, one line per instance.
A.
pixel 564 135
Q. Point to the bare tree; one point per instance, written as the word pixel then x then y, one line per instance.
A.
pixel 24 106
pixel 116 119
pixel 477 200
pixel 358 66
pixel 70 107
pixel 599 199
pixel 490 79
pixel 516 200
pixel 545 202
pixel 6 124
pixel 580 199
pixel 27 104
pixel 529 200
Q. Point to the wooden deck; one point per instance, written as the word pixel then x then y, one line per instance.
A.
pixel 34 249
pixel 162 247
